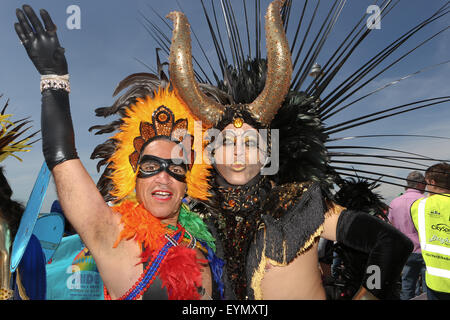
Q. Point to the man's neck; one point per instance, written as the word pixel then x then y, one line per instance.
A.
pixel 172 221
pixel 435 190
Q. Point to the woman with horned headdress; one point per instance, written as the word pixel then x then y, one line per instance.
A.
pixel 268 233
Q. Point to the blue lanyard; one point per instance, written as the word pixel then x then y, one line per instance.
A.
pixel 154 267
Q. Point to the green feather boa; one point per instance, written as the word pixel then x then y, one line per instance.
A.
pixel 195 225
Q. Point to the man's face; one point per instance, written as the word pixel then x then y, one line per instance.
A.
pixel 161 194
pixel 238 155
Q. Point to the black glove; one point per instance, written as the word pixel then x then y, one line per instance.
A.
pixel 44 50
pixel 42 45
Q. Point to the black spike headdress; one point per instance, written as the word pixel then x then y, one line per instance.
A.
pixel 303 115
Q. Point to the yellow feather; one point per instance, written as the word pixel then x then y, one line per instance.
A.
pixel 123 176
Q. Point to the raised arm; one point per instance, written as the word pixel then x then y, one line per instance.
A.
pixel 82 203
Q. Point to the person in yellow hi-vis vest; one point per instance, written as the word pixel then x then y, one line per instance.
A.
pixel 431 217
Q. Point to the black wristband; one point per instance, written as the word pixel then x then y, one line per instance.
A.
pixel 58 139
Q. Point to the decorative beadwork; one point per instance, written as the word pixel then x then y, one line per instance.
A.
pixel 237 224
pixel 236 199
pixel 164 124
pixel 236 218
pixel 55 82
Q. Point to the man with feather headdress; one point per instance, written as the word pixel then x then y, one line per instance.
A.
pixel 147 245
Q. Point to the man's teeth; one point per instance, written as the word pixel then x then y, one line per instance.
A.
pixel 162 194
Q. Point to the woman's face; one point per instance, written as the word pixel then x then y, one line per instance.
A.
pixel 239 154
pixel 160 192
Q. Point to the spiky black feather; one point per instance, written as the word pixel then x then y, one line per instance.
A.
pixel 245 84
pixel 303 155
pixel 359 195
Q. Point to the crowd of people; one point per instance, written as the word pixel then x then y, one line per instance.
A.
pixel 425 221
pixel 425 273
pixel 172 217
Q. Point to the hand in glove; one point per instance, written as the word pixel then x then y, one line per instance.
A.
pixel 44 50
pixel 41 44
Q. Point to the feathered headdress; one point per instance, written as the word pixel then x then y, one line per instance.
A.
pixel 10 132
pixel 11 142
pixel 301 109
pixel 148 110
pixel 359 195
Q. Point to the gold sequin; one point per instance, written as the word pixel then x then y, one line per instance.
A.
pixel 182 73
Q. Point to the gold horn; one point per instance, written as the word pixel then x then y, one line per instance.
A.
pixel 279 67
pixel 182 73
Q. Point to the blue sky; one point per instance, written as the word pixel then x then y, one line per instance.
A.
pixel 104 51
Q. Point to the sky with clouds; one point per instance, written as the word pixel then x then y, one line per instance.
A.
pixel 112 43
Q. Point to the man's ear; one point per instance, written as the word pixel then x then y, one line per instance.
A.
pixel 431 185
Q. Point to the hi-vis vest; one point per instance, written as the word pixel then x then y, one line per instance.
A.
pixel 431 217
